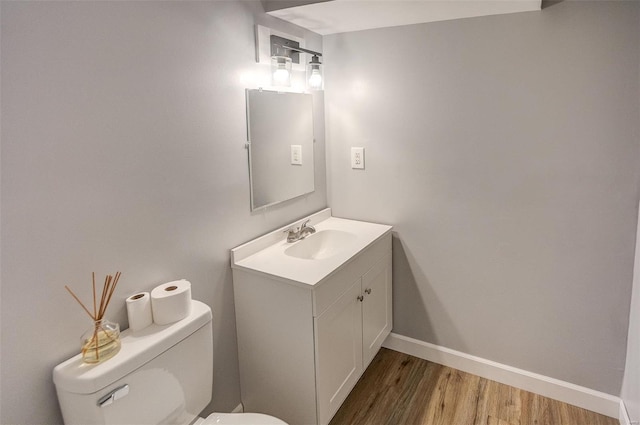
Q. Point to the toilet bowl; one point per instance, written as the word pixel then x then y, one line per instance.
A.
pixel 240 419
pixel 162 374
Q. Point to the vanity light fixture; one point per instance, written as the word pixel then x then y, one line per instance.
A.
pixel 283 53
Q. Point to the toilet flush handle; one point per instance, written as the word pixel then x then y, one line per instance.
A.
pixel 114 395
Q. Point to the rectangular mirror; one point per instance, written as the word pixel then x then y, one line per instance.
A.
pixel 280 134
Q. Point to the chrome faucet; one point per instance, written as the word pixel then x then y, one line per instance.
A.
pixel 306 230
pixel 296 233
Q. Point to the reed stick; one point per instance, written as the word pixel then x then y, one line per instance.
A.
pixel 95 339
pixel 111 291
pixel 79 302
pixel 107 281
pixel 93 279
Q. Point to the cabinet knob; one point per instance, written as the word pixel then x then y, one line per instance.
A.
pixel 360 298
pixel 367 291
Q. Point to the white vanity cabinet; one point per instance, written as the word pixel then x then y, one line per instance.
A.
pixel 303 346
pixel 349 333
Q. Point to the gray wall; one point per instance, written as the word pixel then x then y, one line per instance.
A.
pixel 505 152
pixel 123 131
pixel 631 381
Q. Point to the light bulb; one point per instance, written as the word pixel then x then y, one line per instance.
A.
pixel 281 76
pixel 281 71
pixel 314 74
pixel 315 80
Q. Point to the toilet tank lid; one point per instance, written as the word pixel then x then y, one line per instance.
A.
pixel 138 348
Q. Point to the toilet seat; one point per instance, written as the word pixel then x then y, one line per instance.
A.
pixel 241 419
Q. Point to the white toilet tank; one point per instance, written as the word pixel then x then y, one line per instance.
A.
pixel 162 375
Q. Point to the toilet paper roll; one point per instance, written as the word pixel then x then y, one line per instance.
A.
pixel 139 311
pixel 171 302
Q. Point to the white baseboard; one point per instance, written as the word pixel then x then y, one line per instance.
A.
pixel 624 415
pixel 566 392
pixel 239 409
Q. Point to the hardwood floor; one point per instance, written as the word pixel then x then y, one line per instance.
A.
pixel 405 390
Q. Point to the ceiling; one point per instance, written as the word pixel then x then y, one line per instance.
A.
pixel 336 16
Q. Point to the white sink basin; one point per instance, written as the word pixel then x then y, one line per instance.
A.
pixel 322 244
pixel 310 260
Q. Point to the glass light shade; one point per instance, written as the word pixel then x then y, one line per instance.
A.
pixel 315 80
pixel 280 71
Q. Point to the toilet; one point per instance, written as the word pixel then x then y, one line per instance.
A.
pixel 162 375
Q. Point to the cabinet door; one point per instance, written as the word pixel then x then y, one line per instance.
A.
pixel 376 308
pixel 338 333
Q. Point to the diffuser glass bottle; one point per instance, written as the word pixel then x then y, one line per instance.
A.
pixel 100 342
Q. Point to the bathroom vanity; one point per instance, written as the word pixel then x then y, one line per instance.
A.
pixel 310 315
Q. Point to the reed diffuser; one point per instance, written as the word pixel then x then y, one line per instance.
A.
pixel 102 341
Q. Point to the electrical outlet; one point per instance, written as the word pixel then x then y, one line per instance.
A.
pixel 357 158
pixel 296 154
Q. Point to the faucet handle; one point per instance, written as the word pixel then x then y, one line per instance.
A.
pixel 292 233
pixel 306 230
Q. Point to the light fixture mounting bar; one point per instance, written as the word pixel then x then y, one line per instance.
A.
pixel 301 50
pixel 280 43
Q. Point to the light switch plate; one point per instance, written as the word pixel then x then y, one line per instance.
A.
pixel 296 154
pixel 357 158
